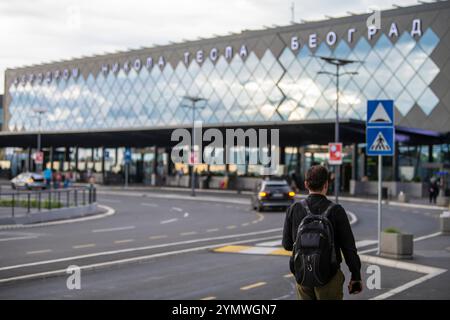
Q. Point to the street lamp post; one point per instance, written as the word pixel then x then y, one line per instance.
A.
pixel 40 111
pixel 338 63
pixel 193 105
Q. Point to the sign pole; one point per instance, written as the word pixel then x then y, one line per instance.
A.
pixel 126 174
pixel 380 165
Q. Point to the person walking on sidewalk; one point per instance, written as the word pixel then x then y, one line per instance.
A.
pixel 317 231
pixel 433 190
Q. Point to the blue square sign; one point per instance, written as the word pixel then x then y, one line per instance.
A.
pixel 380 141
pixel 380 113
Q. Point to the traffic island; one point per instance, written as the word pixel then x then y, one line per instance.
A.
pixel 396 245
pixel 52 215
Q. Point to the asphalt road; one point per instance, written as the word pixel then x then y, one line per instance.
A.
pixel 158 246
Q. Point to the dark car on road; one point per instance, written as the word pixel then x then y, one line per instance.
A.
pixel 272 194
pixel 28 180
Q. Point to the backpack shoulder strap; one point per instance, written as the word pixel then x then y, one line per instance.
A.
pixel 328 209
pixel 305 205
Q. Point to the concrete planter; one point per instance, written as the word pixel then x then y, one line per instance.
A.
pixel 397 245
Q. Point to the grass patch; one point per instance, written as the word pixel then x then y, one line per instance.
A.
pixel 45 204
pixel 391 230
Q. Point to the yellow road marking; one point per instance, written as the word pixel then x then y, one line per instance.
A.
pixel 123 241
pixel 231 249
pixel 209 298
pixel 254 285
pixel 82 246
pixel 281 252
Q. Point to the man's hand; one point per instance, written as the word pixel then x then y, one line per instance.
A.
pixel 355 287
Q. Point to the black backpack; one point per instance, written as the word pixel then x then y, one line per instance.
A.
pixel 314 254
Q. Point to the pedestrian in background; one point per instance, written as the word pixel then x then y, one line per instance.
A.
pixel 433 190
pixel 48 177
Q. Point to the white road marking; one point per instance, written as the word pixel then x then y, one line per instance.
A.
pixel 39 251
pixel 112 252
pixel 365 243
pixel 146 204
pixel 282 297
pixel 113 229
pixel 245 224
pixel 169 221
pixel 83 246
pixel 158 237
pixel 274 243
pixel 122 261
pixel 123 241
pixel 254 285
pixel 209 298
pixel 177 209
pixel 212 230
pixel 231 227
pixel 186 214
pixel 18 238
pixel 188 233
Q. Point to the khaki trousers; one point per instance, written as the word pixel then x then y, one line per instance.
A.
pixel 333 290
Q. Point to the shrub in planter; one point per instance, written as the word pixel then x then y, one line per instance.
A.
pixel 395 244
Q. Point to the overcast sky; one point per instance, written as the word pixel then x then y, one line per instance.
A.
pixel 37 31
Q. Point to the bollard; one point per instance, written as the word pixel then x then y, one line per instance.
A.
pixel 402 197
pixel 444 222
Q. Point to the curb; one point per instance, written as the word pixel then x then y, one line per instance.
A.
pixel 109 212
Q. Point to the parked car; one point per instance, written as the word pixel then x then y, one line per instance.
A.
pixel 29 181
pixel 272 194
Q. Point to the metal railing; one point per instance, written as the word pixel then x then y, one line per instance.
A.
pixel 16 202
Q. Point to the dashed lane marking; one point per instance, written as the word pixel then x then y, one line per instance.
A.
pixel 245 224
pixel 158 237
pixel 209 298
pixel 212 230
pixel 177 209
pixel 169 221
pixel 254 285
pixel 39 251
pixel 188 233
pixel 231 227
pixel 113 229
pixel 123 241
pixel 83 246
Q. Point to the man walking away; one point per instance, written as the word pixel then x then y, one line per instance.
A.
pixel 317 231
pixel 433 190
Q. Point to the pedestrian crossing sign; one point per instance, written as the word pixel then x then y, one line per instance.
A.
pixel 380 130
pixel 380 141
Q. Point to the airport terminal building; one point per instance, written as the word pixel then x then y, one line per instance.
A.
pixel 98 106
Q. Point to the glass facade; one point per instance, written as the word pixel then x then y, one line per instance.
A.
pixel 284 88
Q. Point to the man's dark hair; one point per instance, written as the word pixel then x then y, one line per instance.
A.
pixel 316 177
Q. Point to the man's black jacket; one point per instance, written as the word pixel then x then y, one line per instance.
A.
pixel 343 235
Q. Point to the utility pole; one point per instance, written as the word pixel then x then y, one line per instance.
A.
pixel 194 105
pixel 338 63
pixel 40 111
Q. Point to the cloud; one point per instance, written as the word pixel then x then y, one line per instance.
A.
pixel 41 31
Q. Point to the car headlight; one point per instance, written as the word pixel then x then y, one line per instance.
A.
pixel 262 194
pixel 291 194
